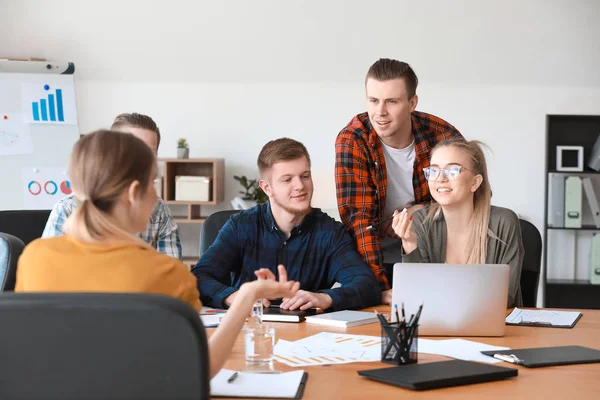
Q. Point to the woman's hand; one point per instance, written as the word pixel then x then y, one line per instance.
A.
pixel 266 288
pixel 402 225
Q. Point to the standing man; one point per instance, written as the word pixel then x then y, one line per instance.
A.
pixel 380 156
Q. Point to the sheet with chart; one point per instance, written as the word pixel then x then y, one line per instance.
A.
pixel 328 348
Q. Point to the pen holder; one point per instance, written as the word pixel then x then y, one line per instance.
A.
pixel 399 343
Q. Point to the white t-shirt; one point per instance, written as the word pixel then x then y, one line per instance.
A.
pixel 400 192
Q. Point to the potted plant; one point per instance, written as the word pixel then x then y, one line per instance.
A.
pixel 183 150
pixel 252 190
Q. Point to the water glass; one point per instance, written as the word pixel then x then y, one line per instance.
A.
pixel 259 343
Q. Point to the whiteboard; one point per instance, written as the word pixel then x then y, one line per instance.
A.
pixel 51 141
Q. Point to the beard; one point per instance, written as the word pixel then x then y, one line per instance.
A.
pixel 298 212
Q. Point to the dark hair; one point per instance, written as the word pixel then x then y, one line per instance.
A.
pixel 136 120
pixel 103 164
pixel 386 69
pixel 284 149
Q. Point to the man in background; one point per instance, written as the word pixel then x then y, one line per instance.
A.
pixel 161 232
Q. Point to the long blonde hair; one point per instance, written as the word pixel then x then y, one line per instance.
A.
pixel 103 164
pixel 480 220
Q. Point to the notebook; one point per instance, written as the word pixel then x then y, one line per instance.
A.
pixel 276 314
pixel 547 356
pixel 343 319
pixel 441 374
pixel 543 318
pixel 287 385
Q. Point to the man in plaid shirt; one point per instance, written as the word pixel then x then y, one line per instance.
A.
pixel 161 232
pixel 380 156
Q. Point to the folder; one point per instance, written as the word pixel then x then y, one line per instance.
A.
pixel 547 356
pixel 592 200
pixel 543 318
pixel 441 374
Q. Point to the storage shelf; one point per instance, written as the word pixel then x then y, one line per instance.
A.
pixel 577 173
pixel 570 130
pixel 190 261
pixel 571 282
pixel 583 228
pixel 194 203
pixel 183 220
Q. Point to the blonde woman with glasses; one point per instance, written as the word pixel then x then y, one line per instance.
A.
pixel 461 226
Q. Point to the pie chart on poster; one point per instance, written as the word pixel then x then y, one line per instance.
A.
pixel 65 187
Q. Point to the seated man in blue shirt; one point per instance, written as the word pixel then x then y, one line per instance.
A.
pixel 315 249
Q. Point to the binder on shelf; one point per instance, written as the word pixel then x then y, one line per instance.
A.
pixel 573 201
pixel 556 200
pixel 592 200
pixel 595 260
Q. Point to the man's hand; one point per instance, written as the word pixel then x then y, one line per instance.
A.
pixel 305 300
pixel 229 299
pixel 386 297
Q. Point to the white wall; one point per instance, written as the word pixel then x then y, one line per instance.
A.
pixel 231 75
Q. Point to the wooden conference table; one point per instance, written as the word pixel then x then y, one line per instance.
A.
pixel 342 381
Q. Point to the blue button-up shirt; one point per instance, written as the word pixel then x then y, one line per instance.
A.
pixel 318 253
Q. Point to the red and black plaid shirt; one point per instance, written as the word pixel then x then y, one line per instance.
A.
pixel 361 178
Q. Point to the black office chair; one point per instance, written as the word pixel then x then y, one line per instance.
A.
pixel 212 226
pixel 10 249
pixel 532 261
pixel 27 225
pixel 75 346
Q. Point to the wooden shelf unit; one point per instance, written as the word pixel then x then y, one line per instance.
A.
pixel 214 168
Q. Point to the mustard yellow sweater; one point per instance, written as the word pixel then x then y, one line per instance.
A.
pixel 64 264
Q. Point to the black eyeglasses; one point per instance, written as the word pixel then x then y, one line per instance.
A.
pixel 451 171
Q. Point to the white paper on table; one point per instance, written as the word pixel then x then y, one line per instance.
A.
pixel 459 348
pixel 14 135
pixel 284 385
pixel 328 348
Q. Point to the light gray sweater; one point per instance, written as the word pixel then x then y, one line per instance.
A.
pixel 431 245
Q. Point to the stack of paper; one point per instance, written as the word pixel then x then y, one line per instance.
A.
pixel 328 348
pixel 459 348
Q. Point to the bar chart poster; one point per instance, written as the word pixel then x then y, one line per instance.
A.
pixel 49 104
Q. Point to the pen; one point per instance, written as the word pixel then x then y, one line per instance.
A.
pixel 397 316
pixel 403 315
pixel 511 358
pixel 375 225
pixel 232 377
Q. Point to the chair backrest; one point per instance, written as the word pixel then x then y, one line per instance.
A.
pixel 101 346
pixel 27 225
pixel 10 249
pixel 212 226
pixel 532 261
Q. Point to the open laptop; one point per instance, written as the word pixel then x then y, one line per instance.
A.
pixel 458 300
